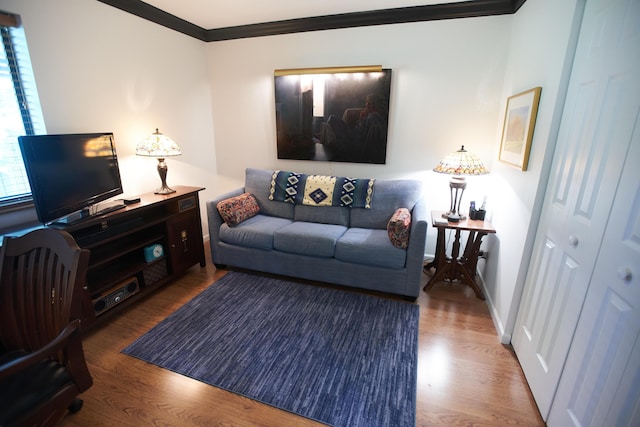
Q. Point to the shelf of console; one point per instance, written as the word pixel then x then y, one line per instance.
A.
pixel 119 272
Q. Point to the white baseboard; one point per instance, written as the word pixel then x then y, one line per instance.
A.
pixel 504 337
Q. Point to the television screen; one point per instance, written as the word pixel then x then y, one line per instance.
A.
pixel 69 173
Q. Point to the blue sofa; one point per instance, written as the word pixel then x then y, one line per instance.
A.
pixel 334 244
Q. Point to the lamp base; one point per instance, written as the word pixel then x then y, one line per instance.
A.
pixel 162 171
pixel 453 216
pixel 164 190
pixel 457 184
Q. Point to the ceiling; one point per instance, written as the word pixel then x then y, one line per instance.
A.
pixel 216 20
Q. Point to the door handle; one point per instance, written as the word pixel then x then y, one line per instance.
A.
pixel 573 240
pixel 625 274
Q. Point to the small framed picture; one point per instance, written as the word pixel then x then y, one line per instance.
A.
pixel 517 131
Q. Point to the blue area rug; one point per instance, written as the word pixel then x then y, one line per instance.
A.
pixel 337 357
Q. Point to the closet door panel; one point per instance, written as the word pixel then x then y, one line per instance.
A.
pixel 598 124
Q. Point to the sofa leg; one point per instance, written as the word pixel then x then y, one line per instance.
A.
pixel 409 299
pixel 220 266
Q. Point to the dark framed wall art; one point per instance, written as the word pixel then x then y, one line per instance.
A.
pixel 333 114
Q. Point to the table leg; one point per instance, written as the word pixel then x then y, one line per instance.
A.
pixel 469 263
pixel 469 278
pixel 445 267
pixel 472 259
pixel 468 249
pixel 455 251
pixel 457 267
pixel 441 273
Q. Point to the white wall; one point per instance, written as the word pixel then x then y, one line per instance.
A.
pixel 446 91
pixel 536 58
pixel 99 69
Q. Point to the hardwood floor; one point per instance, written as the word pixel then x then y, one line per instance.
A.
pixel 465 376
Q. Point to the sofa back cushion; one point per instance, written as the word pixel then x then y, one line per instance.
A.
pixel 338 215
pixel 388 195
pixel 258 182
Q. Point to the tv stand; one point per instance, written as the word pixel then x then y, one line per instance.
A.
pixel 123 266
pixel 107 209
pixel 87 213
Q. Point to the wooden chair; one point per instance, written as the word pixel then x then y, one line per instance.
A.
pixel 42 364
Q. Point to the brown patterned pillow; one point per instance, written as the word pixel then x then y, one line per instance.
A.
pixel 237 209
pixel 398 228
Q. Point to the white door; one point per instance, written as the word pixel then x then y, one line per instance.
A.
pixel 598 122
pixel 600 384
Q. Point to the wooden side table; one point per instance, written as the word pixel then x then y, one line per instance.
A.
pixel 456 267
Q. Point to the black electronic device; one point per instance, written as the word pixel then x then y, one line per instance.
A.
pixel 116 295
pixel 131 201
pixel 69 174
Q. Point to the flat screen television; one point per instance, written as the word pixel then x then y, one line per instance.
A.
pixel 69 174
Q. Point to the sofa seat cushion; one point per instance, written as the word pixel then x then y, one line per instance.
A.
pixel 369 247
pixel 256 232
pixel 308 238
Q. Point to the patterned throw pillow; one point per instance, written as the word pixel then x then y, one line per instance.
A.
pixel 398 228
pixel 237 209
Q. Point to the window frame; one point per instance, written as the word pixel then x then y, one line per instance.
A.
pixel 19 210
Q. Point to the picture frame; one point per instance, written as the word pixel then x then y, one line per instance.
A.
pixel 517 130
pixel 333 114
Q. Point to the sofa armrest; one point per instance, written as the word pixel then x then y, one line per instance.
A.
pixel 215 221
pixel 417 245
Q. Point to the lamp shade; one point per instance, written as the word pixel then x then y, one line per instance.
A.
pixel 158 145
pixel 461 162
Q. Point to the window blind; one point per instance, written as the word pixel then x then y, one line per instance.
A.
pixel 20 113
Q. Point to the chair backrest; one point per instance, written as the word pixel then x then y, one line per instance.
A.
pixel 42 275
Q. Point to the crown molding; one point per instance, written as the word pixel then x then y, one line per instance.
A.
pixel 159 16
pixel 402 15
